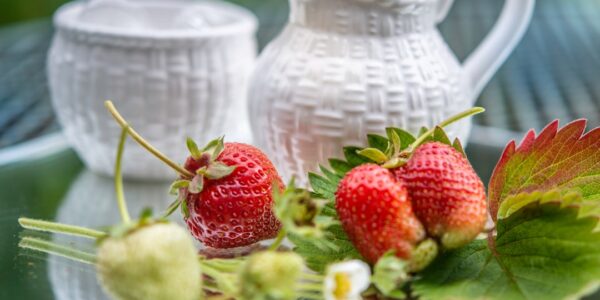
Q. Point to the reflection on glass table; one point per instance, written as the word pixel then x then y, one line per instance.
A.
pixel 75 281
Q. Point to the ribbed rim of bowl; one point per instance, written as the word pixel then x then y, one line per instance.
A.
pixel 245 23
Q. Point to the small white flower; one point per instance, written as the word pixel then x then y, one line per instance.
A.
pixel 346 280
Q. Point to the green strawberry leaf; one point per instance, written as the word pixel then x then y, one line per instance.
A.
pixel 459 147
pixel 548 248
pixel 374 154
pixel 185 211
pixel 406 139
pixel 218 170
pixel 353 158
pixel 389 275
pixel 329 210
pixel 340 167
pixel 177 185
pixel 378 142
pixel 440 135
pixel 193 148
pixel 332 176
pixel 214 148
pixel 562 159
pixel 196 185
pixel 322 186
pixel 339 248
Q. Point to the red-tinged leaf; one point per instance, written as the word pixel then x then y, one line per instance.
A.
pixel 562 159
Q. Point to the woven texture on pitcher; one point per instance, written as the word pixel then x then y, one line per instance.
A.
pixel 320 92
pixel 166 94
pixel 366 17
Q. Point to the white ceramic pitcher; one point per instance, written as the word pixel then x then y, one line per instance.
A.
pixel 344 68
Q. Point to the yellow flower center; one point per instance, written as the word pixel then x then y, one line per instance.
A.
pixel 342 286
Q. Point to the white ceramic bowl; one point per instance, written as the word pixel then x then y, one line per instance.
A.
pixel 174 68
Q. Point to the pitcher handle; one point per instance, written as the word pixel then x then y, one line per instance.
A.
pixel 493 51
pixel 443 7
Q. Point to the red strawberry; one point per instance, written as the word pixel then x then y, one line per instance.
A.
pixel 225 190
pixel 447 195
pixel 235 210
pixel 376 213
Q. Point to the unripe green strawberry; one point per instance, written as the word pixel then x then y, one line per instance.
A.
pixel 157 262
pixel 271 275
pixel 447 195
pixel 376 213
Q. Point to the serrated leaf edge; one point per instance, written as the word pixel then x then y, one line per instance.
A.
pixel 565 199
pixel 496 187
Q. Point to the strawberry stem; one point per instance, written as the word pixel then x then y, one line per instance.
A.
pixel 45 226
pixel 310 286
pixel 307 276
pixel 56 249
pixel 279 240
pixel 119 178
pixel 145 144
pixel 218 297
pixel 309 295
pixel 470 112
pixel 226 282
pixel 314 286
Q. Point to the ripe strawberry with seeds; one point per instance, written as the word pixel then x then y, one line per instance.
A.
pixel 225 190
pixel 447 195
pixel 229 202
pixel 377 214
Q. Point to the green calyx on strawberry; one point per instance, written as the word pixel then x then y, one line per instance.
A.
pixel 395 150
pixel 390 273
pixel 206 164
pixel 300 214
pixel 397 153
pixel 203 164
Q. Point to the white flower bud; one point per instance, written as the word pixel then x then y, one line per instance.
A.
pixel 346 280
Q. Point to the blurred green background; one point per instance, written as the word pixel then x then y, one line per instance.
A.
pixel 12 11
